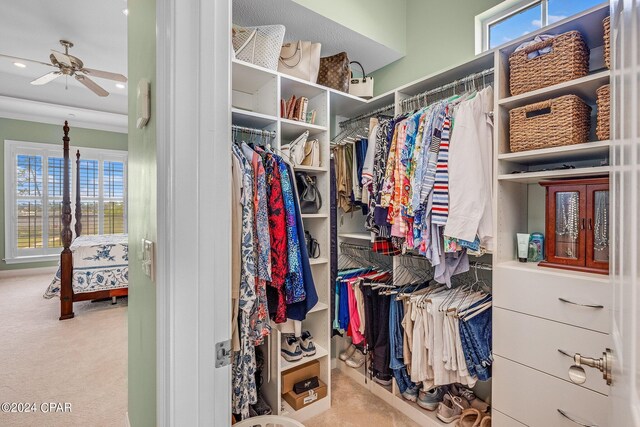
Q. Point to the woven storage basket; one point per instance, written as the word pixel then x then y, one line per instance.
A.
pixel 568 60
pixel 603 102
pixel 552 123
pixel 607 41
pixel 259 45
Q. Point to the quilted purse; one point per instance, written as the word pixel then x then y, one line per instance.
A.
pixel 335 72
pixel 258 45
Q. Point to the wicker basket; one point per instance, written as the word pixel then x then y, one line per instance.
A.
pixel 603 102
pixel 259 45
pixel 607 41
pixel 568 60
pixel 552 123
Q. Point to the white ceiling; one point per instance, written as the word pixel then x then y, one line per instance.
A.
pixel 31 28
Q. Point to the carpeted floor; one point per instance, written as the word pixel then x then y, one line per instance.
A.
pixel 353 406
pixel 81 361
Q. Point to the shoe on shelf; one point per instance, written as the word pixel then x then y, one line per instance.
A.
pixel 430 399
pixel 382 379
pixel 305 341
pixel 291 349
pixel 486 421
pixel 356 360
pixel 411 394
pixel 451 407
pixel 474 401
pixel 470 417
pixel 347 353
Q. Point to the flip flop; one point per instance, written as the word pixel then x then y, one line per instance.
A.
pixel 486 421
pixel 470 418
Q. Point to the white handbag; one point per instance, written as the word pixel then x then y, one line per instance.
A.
pixel 258 45
pixel 311 155
pixel 363 86
pixel 300 59
pixel 295 151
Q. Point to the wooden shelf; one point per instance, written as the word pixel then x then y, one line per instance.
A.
pixel 320 353
pixel 252 119
pixel 356 236
pixel 534 268
pixel 534 177
pixel 291 129
pixel 298 87
pixel 577 152
pixel 248 78
pixel 316 408
pixel 585 87
pixel 316 216
pixel 311 169
pixel 320 306
pixel 318 261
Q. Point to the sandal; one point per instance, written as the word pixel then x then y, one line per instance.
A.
pixel 470 417
pixel 486 421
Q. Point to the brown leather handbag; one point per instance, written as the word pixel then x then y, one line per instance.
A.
pixel 335 72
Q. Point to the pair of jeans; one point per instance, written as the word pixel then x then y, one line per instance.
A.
pixel 377 329
pixel 475 335
pixel 403 380
pixel 396 313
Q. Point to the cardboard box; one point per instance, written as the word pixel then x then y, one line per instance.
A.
pixel 299 373
pixel 299 401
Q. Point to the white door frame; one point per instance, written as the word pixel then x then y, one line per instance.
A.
pixel 193 95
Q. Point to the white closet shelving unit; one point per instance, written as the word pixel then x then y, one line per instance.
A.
pixel 525 296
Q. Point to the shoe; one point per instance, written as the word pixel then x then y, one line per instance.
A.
pixel 451 407
pixel 474 401
pixel 382 379
pixel 261 407
pixel 470 417
pixel 347 353
pixel 305 341
pixel 486 421
pixel 356 360
pixel 430 399
pixel 411 394
pixel 291 349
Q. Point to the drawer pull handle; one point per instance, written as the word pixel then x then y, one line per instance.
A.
pixel 564 414
pixel 581 305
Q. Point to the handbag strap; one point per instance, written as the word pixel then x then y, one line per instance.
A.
pixel 364 75
pixel 298 50
pixel 246 42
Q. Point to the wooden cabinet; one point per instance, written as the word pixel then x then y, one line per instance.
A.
pixel 577 224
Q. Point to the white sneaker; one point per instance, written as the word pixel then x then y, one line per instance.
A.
pixel 305 341
pixel 291 349
pixel 347 353
pixel 356 360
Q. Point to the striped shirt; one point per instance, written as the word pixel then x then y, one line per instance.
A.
pixel 440 208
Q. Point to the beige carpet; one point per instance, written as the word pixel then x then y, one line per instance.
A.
pixel 353 406
pixel 81 361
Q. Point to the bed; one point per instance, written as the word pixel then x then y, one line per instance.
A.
pixel 91 267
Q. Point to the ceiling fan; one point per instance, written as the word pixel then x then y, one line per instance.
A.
pixel 70 65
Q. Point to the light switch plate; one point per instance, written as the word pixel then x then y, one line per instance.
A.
pixel 148 258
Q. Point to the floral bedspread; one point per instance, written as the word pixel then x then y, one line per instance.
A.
pixel 99 263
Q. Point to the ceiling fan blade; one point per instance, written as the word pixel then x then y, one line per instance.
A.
pixel 93 86
pixel 62 58
pixel 18 59
pixel 46 78
pixel 104 75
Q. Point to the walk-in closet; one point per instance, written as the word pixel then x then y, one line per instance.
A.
pixel 446 245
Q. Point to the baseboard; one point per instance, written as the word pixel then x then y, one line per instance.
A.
pixel 126 420
pixel 20 272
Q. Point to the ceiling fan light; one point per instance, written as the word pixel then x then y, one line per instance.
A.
pixel 120 86
pixel 19 65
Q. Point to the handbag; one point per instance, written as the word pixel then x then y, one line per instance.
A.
pixel 313 247
pixel 258 45
pixel 300 59
pixel 296 149
pixel 306 385
pixel 310 199
pixel 335 72
pixel 361 86
pixel 311 154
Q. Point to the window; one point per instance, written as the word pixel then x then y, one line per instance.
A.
pixel 515 18
pixel 33 197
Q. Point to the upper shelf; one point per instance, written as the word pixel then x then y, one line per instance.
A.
pixel 249 78
pixel 585 87
pixel 576 152
pixel 534 177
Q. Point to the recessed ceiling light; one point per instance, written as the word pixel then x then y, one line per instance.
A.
pixel 19 65
pixel 126 12
pixel 120 86
pixel 71 115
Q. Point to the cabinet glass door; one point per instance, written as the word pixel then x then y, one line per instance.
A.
pixel 600 226
pixel 567 225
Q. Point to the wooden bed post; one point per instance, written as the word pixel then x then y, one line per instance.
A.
pixel 66 259
pixel 78 205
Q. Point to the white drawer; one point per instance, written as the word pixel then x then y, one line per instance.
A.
pixel 535 342
pixel 498 419
pixel 537 291
pixel 533 398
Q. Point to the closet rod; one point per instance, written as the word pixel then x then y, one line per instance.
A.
pixel 253 131
pixel 481 266
pixel 367 115
pixel 453 84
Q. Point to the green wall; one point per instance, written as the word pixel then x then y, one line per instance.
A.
pixel 20 130
pixel 142 218
pixel 439 34
pixel 380 20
